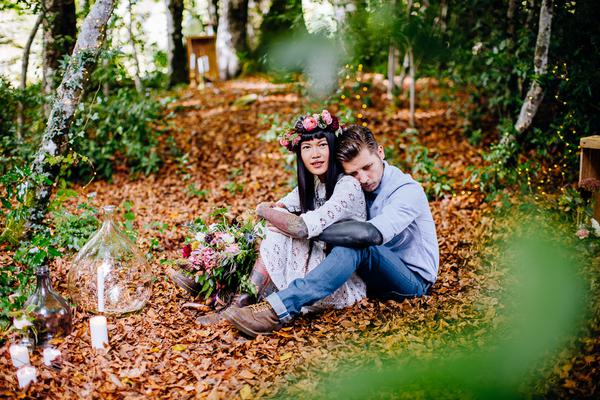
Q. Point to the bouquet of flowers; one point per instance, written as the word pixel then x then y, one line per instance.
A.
pixel 220 256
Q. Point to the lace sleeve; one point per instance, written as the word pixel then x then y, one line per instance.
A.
pixel 292 201
pixel 347 201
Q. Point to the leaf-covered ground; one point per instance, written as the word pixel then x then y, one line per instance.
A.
pixel 161 353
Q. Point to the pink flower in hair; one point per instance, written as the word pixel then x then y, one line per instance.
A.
pixel 309 123
pixel 326 117
pixel 283 142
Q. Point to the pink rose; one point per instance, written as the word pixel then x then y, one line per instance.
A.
pixel 309 123
pixel 283 142
pixel 582 233
pixel 326 117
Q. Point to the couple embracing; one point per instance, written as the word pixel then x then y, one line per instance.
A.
pixel 354 226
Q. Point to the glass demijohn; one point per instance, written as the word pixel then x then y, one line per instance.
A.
pixel 109 275
pixel 51 313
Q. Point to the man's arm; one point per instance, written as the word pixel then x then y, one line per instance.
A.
pixel 290 224
pixel 350 233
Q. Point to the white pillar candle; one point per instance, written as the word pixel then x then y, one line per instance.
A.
pixel 26 375
pixel 101 273
pixel 99 331
pixel 50 354
pixel 19 355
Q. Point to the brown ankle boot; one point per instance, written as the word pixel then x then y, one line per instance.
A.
pixel 254 320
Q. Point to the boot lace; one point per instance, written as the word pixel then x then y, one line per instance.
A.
pixel 262 306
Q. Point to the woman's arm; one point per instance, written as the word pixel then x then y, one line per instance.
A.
pixel 290 224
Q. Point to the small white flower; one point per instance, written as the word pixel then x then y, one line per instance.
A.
pixel 200 236
pixel 21 323
pixel 228 238
pixel 596 227
pixel 34 250
pixel 213 227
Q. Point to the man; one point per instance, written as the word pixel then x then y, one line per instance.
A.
pixel 395 252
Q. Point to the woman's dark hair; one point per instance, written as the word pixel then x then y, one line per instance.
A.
pixel 353 139
pixel 306 180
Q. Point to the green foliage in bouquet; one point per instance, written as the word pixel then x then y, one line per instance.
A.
pixel 221 254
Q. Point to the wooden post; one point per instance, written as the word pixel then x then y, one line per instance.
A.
pixel 589 169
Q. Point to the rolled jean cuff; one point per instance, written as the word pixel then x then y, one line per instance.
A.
pixel 279 308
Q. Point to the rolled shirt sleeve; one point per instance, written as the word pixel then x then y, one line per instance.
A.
pixel 347 201
pixel 400 211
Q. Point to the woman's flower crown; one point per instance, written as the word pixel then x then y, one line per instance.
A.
pixel 307 123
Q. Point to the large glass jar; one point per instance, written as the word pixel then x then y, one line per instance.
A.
pixel 51 313
pixel 109 275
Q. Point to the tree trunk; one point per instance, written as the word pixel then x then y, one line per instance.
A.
pixel 136 62
pixel 231 36
pixel 24 68
pixel 510 16
pixel 535 95
pixel 54 142
pixel 411 62
pixel 392 62
pixel 443 16
pixel 178 72
pixel 60 30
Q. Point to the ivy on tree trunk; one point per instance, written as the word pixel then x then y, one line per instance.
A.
pixel 46 165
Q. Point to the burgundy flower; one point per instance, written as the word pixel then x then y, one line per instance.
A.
pixel 186 251
pixel 299 126
pixel 335 124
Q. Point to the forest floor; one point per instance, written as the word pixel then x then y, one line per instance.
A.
pixel 160 352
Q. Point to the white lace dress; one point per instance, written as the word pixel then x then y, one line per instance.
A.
pixel 287 259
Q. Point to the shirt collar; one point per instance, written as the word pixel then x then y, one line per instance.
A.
pixel 386 174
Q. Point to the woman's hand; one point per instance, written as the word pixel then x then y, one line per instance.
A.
pixel 262 208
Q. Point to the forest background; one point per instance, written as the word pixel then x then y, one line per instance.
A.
pixel 520 78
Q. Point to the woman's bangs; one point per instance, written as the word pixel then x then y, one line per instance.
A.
pixel 312 135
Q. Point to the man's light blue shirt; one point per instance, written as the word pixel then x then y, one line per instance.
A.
pixel 400 211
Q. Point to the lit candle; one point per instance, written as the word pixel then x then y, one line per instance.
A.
pixel 50 354
pixel 99 331
pixel 101 273
pixel 19 355
pixel 26 375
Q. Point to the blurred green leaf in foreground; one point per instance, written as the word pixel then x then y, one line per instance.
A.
pixel 545 303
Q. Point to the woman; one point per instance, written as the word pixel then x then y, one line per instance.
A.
pixel 323 196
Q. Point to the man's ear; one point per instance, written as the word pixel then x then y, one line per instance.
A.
pixel 380 152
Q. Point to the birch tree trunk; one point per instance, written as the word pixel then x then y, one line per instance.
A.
pixel 24 68
pixel 412 69
pixel 178 72
pixel 535 94
pixel 68 95
pixel 60 29
pixel 136 62
pixel 391 73
pixel 231 36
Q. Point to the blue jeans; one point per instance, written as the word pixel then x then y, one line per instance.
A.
pixel 385 274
